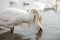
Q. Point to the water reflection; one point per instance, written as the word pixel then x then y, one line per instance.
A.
pixel 9 36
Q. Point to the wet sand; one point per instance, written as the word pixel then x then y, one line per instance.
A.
pixel 9 36
pixel 14 36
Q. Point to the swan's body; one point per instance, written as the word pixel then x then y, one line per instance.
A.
pixel 18 17
pixel 21 16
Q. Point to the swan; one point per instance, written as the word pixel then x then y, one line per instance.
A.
pixel 21 16
pixel 52 4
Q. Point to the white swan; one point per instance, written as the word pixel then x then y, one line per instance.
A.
pixel 52 4
pixel 20 17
